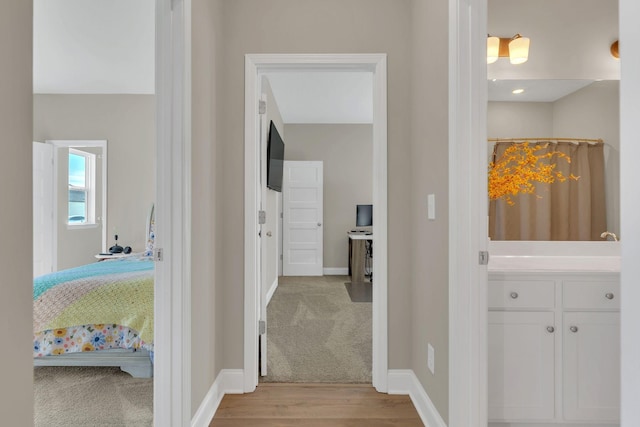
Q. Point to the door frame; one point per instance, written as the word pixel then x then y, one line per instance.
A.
pixel 172 356
pixel 468 234
pixel 255 66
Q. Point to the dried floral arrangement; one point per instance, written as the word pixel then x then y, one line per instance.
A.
pixel 520 167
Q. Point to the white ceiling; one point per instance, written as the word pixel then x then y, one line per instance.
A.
pixel 323 97
pixel 534 90
pixel 94 46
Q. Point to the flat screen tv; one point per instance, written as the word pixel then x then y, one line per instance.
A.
pixel 275 159
pixel 364 215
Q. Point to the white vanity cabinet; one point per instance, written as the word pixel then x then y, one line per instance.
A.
pixel 591 351
pixel 554 356
pixel 521 338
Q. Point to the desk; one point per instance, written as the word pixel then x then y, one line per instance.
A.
pixel 358 255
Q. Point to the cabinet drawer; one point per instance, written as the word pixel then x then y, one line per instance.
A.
pixel 521 294
pixel 591 295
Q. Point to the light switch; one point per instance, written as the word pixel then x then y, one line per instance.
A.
pixel 431 206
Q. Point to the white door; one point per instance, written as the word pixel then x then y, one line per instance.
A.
pixel 591 366
pixel 521 351
pixel 42 208
pixel 302 187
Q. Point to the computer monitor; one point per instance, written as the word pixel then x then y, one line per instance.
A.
pixel 364 215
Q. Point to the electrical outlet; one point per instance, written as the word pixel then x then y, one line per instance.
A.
pixel 431 358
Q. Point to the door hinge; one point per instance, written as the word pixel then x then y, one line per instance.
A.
pixel 483 258
pixel 262 107
pixel 262 217
pixel 158 254
pixel 262 327
pixel 281 215
pixel 281 257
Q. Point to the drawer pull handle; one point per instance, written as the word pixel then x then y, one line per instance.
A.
pixel 609 295
pixel 514 295
pixel 550 329
pixel 573 329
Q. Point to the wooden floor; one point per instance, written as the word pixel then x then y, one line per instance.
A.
pixel 311 405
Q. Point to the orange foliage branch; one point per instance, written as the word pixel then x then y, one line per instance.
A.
pixel 520 167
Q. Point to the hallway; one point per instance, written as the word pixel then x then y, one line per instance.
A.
pixel 315 405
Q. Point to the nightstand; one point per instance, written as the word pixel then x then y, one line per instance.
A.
pixel 103 256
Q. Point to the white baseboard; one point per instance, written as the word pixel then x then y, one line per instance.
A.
pixel 552 424
pixel 335 271
pixel 229 381
pixel 404 381
pixel 272 289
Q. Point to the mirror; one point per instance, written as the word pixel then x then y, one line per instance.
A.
pixel 571 87
pixel 561 109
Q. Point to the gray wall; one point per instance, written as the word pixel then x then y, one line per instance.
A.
pixel 570 39
pixel 207 247
pixel 519 119
pixel 16 260
pixel 310 26
pixel 127 122
pixel 346 153
pixel 429 240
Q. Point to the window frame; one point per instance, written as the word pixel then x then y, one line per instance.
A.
pixel 89 189
pixel 101 220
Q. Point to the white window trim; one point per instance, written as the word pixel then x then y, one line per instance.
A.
pixel 89 188
pixel 101 217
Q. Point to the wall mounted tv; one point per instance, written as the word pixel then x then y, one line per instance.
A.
pixel 275 159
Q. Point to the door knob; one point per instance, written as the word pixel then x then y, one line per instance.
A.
pixel 514 295
pixel 319 224
pixel 609 295
pixel 573 329
pixel 268 234
pixel 550 329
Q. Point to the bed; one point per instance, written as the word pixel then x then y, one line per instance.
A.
pixel 99 314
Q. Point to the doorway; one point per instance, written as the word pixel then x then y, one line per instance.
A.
pixel 171 142
pixel 255 67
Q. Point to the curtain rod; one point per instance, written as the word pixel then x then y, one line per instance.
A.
pixel 543 139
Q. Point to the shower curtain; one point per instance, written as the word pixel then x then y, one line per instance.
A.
pixel 569 210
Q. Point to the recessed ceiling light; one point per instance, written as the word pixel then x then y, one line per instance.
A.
pixel 517 91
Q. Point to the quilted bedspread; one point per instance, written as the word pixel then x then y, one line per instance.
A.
pixel 117 293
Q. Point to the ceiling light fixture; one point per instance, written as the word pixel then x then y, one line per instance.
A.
pixel 517 91
pixel 516 48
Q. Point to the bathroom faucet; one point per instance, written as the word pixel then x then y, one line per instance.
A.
pixel 609 236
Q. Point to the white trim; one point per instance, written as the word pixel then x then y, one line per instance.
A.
pixel 172 360
pixel 629 11
pixel 272 290
pixel 404 381
pixel 264 63
pixel 335 271
pixel 228 381
pixel 467 213
pixel 99 143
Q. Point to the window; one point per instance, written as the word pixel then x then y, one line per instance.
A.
pixel 82 166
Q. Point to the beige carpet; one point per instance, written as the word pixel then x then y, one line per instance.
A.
pixel 315 333
pixel 91 397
